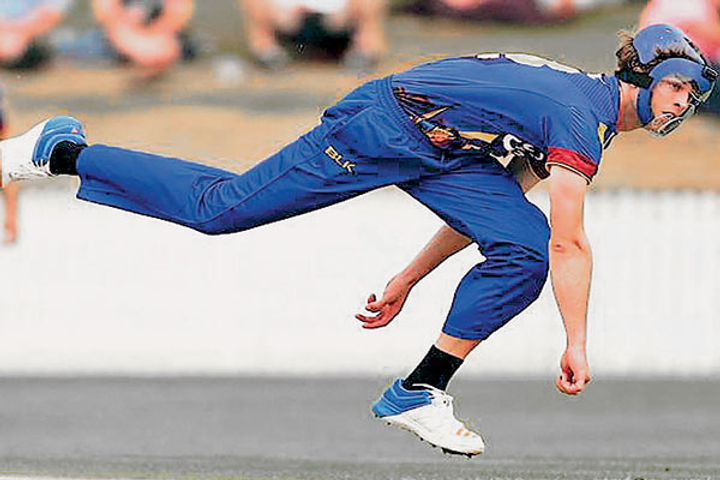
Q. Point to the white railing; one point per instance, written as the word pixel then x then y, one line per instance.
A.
pixel 94 290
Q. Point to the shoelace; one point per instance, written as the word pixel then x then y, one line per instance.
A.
pixel 23 172
pixel 437 394
pixel 445 400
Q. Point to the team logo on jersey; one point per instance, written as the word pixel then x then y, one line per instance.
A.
pixel 504 147
pixel 605 136
pixel 337 157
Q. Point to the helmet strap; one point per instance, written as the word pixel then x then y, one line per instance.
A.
pixel 642 80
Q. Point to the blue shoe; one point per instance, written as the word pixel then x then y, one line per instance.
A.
pixel 428 413
pixel 28 155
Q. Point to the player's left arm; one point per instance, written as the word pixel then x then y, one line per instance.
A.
pixel 570 268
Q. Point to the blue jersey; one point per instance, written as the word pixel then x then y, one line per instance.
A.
pixel 513 106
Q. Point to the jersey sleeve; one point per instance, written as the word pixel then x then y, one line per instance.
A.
pixel 573 142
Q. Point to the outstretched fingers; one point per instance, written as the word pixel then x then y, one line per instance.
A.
pixel 380 317
pixel 373 322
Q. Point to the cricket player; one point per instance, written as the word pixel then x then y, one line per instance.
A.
pixel 439 131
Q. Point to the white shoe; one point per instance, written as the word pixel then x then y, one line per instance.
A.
pixel 428 413
pixel 28 156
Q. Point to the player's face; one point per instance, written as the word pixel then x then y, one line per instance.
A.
pixel 671 95
pixel 672 102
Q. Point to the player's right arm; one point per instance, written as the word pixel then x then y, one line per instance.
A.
pixel 570 269
pixel 442 245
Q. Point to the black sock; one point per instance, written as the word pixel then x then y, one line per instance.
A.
pixel 63 159
pixel 436 369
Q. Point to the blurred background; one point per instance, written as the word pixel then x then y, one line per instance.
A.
pixel 89 290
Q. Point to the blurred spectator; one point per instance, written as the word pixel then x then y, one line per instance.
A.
pixel 10 192
pixel 23 23
pixel 350 30
pixel 520 11
pixel 150 34
pixel 10 196
pixel 699 19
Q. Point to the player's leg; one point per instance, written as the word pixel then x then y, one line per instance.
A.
pixel 299 178
pixel 513 236
pixel 351 152
pixel 213 201
pixel 347 155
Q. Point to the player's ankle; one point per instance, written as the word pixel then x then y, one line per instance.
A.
pixel 63 160
pixel 436 369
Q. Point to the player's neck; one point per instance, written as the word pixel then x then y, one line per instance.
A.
pixel 627 116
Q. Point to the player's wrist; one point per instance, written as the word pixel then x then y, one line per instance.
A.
pixel 576 346
pixel 408 277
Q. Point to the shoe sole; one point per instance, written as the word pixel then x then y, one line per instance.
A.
pixel 415 428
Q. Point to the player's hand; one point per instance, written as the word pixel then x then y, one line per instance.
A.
pixel 383 311
pixel 574 371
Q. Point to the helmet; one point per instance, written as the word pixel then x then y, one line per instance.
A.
pixel 666 51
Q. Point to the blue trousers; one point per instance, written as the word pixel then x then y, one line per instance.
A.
pixel 363 143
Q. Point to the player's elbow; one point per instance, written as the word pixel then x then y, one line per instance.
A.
pixel 568 245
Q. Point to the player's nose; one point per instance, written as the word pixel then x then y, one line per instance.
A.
pixel 682 102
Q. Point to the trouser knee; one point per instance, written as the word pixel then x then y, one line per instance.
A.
pixel 221 226
pixel 497 290
pixel 210 228
pixel 535 267
pixel 529 265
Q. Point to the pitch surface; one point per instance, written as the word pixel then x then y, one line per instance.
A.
pixel 251 428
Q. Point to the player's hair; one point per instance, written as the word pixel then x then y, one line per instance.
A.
pixel 629 59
